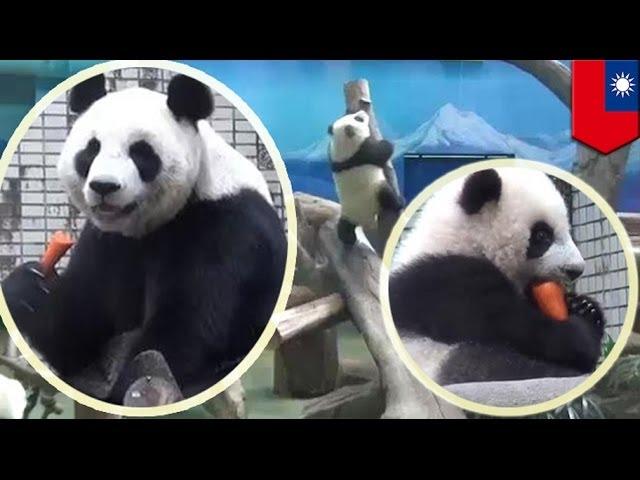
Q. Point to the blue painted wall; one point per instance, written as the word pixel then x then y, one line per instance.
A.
pixel 426 106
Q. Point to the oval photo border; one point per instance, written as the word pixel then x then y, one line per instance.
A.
pixel 492 410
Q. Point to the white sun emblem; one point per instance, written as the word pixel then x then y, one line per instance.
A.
pixel 622 84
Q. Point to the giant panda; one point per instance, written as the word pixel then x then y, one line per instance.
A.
pixel 462 277
pixel 357 163
pixel 181 244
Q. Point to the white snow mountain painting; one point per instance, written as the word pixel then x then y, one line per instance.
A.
pixel 454 131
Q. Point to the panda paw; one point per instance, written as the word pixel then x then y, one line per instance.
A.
pixel 586 308
pixel 26 289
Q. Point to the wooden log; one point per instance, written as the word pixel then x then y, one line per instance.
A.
pixel 354 273
pixel 631 222
pixel 311 267
pixel 318 314
pixel 300 295
pixel 150 381
pixel 307 366
pixel 86 413
pixel 349 401
pixel 358 268
pixel 23 372
pixel 229 404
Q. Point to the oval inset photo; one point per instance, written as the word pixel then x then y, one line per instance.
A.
pixel 144 232
pixel 511 287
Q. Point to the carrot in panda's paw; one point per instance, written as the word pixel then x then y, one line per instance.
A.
pixel 551 299
pixel 58 245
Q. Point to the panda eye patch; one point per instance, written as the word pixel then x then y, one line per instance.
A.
pixel 146 160
pixel 84 158
pixel 540 240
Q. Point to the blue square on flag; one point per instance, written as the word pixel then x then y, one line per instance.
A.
pixel 621 86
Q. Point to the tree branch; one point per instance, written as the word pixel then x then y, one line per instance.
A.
pixel 356 269
pixel 602 172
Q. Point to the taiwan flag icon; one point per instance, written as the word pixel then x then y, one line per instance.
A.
pixel 605 105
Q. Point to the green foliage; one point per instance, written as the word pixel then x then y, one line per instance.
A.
pixel 585 407
pixel 607 346
pixel 623 377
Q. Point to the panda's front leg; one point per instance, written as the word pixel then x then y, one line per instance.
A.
pixel 60 316
pixel 588 310
pixel 576 341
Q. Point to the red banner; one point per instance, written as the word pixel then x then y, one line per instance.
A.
pixel 605 103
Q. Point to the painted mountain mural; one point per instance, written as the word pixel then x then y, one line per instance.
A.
pixel 452 131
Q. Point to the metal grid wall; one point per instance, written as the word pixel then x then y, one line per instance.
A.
pixel 605 275
pixel 33 203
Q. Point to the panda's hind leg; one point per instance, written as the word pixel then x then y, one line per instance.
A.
pixel 346 231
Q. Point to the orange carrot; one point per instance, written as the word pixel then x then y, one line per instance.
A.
pixel 550 297
pixel 58 245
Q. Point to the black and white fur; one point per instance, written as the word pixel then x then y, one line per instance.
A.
pixel 463 273
pixel 357 162
pixel 181 240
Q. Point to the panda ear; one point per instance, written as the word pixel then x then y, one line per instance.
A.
pixel 189 98
pixel 479 188
pixel 85 93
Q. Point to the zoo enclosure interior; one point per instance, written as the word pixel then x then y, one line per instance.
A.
pixel 33 203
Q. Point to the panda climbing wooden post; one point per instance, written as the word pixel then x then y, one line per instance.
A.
pixel 358 98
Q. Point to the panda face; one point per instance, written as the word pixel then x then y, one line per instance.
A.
pixel 514 217
pixel 130 163
pixel 347 135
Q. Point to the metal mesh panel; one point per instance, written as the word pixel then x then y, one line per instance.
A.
pixel 33 203
pixel 605 275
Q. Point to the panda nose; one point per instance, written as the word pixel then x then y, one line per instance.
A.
pixel 349 131
pixel 573 272
pixel 104 187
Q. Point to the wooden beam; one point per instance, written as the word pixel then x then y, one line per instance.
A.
pixel 357 269
pixel 631 222
pixel 321 313
pixel 23 372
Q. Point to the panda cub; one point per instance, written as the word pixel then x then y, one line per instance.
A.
pixel 357 162
pixel 463 274
pixel 181 244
